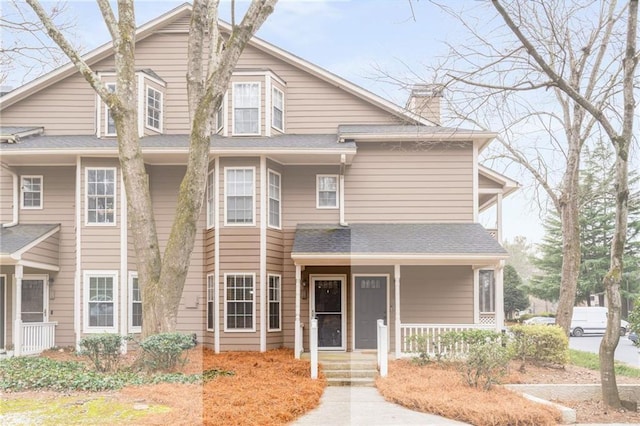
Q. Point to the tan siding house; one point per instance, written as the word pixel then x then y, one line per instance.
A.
pixel 324 201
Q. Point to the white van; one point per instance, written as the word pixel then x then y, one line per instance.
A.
pixel 592 320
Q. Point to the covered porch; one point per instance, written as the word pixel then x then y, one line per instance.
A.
pixel 421 279
pixel 29 264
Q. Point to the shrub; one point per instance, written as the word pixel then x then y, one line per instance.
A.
pixel 103 350
pixel 164 351
pixel 540 344
pixel 486 362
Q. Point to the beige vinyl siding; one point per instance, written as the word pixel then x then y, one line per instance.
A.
pixel 275 253
pixel 289 291
pixel 486 183
pixel 436 294
pixel 387 183
pixel 299 196
pixel 312 105
pixel 45 252
pixel 6 196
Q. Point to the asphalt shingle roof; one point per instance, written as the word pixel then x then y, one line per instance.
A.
pixel 16 237
pixel 409 238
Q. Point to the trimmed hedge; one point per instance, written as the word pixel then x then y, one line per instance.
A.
pixel 540 344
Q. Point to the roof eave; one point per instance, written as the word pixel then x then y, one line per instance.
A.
pixel 458 259
pixel 483 137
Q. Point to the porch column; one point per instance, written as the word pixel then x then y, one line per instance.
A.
pixel 396 279
pixel 297 346
pixel 499 302
pixel 17 311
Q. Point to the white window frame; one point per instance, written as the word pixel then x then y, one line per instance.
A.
pixel 211 191
pixel 22 192
pixel 134 329
pixel 492 291
pixel 226 196
pixel 219 117
pixel 160 110
pixel 85 305
pixel 86 196
pixel 211 301
pixel 337 178
pixel 269 198
pixel 274 107
pixel 233 112
pixel 278 301
pixel 111 87
pixel 227 301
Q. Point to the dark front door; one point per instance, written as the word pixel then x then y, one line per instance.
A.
pixel 370 306
pixel 328 309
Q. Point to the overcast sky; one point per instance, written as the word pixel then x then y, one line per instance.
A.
pixel 354 39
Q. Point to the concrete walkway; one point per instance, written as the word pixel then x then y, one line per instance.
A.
pixel 365 406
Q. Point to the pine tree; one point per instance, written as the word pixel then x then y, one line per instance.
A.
pixel 515 299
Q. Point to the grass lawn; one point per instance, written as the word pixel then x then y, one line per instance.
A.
pixel 592 362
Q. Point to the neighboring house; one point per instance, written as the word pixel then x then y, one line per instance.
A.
pixel 323 200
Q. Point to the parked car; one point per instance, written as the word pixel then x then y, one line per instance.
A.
pixel 540 320
pixel 592 320
pixel 633 336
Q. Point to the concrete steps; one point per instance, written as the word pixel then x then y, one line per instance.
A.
pixel 349 368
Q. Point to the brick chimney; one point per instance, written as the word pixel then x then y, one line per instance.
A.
pixel 424 101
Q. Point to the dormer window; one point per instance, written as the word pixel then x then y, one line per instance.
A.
pixel 277 116
pixel 246 108
pixel 110 122
pixel 220 118
pixel 154 109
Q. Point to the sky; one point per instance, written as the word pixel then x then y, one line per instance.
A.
pixel 359 40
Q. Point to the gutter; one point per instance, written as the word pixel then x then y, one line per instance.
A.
pixel 16 198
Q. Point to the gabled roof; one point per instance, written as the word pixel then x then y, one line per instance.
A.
pixel 17 239
pixel 149 28
pixel 408 241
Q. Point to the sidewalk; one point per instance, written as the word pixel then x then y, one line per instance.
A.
pixel 365 406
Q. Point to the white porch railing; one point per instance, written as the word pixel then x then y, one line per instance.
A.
pixel 36 337
pixel 431 333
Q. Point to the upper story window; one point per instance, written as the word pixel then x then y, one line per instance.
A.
pixel 210 199
pixel 327 191
pixel 246 108
pixel 277 115
pixel 100 196
pixel 154 109
pixel 274 199
pixel 31 192
pixel 239 196
pixel 110 124
pixel 220 117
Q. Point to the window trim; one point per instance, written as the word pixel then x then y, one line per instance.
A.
pixel 86 197
pixel 273 107
pixel 85 303
pixel 337 178
pixel 269 225
pixel 279 301
pixel 133 275
pixel 210 199
pixel 219 116
pixel 22 192
pixel 107 111
pixel 253 302
pixel 226 196
pixel 161 110
pixel 211 299
pixel 233 110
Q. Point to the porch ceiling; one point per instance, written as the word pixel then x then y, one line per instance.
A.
pixel 410 243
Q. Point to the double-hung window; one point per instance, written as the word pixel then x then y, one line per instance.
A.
pixel 211 199
pixel 135 313
pixel 275 292
pixel 110 124
pixel 246 108
pixel 154 109
pixel 239 302
pixel 277 115
pixel 31 192
pixel 327 191
pixel 210 301
pixel 101 295
pixel 487 289
pixel 239 196
pixel 274 199
pixel 100 196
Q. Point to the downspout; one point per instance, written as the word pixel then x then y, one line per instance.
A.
pixel 15 215
pixel 343 161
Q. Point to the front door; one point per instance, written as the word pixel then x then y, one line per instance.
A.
pixel 370 306
pixel 327 306
pixel 33 300
pixel 3 298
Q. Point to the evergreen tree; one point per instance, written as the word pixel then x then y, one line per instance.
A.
pixel 515 299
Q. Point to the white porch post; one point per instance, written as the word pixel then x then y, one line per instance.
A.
pixel 396 279
pixel 499 302
pixel 17 309
pixel 297 346
pixel 476 296
pixel 499 218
